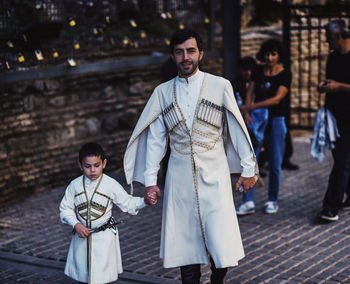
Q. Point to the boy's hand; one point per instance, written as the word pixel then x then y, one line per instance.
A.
pixel 81 230
pixel 151 195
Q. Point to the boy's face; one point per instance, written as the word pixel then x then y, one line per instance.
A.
pixel 92 167
pixel 247 73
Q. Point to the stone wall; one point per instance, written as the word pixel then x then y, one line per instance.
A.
pixel 45 122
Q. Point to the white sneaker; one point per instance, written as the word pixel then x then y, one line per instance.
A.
pixel 271 207
pixel 246 208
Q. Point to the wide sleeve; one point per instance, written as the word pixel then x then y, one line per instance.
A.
pixel 156 148
pixel 238 143
pixel 126 202
pixel 135 154
pixel 242 147
pixel 67 208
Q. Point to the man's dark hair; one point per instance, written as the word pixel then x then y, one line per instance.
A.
pixel 271 45
pixel 338 27
pixel 247 63
pixel 91 149
pixel 181 36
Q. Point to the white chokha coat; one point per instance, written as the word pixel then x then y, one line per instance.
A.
pixel 198 211
pixel 95 259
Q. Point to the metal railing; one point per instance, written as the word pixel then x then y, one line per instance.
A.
pixel 36 34
pixel 304 37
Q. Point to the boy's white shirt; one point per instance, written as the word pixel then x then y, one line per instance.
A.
pixel 106 243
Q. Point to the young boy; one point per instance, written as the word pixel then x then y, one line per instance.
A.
pixel 94 257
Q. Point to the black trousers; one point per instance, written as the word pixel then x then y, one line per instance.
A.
pixel 339 179
pixel 191 274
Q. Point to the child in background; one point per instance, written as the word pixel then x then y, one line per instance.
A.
pixel 94 253
pixel 246 67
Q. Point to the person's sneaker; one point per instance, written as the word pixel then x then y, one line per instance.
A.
pixel 328 215
pixel 271 207
pixel 246 208
pixel 346 204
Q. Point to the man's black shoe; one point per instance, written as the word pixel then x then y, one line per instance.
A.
pixel 328 215
pixel 287 165
pixel 346 204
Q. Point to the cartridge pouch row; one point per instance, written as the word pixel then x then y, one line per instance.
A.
pixel 210 113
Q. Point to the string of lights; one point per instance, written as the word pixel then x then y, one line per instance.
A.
pixel 59 34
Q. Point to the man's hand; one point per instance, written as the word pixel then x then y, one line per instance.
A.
pixel 151 195
pixel 246 183
pixel 81 230
pixel 330 86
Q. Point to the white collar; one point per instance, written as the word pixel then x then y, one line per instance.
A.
pixel 192 79
pixel 90 182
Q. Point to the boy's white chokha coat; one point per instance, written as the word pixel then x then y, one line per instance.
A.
pixel 106 262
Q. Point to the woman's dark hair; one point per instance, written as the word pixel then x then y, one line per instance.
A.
pixel 268 46
pixel 181 36
pixel 91 149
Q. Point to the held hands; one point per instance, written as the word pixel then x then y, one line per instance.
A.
pixel 246 182
pixel 151 195
pixel 81 230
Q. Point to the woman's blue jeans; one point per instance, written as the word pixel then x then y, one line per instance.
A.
pixel 275 144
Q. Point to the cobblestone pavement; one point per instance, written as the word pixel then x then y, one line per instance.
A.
pixel 292 246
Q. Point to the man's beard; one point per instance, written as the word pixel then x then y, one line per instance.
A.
pixel 186 72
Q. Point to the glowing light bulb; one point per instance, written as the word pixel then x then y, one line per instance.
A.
pixel 21 58
pixel 10 44
pixel 126 40
pixel 76 45
pixel 71 62
pixel 39 55
pixel 72 22
pixel 143 34
pixel 55 53
pixel 133 23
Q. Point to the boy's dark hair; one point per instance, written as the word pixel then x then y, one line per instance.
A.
pixel 181 36
pixel 247 63
pixel 91 149
pixel 338 27
pixel 268 46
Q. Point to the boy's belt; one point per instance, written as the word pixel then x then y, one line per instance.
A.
pixel 110 224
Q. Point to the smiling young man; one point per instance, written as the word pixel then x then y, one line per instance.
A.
pixel 190 113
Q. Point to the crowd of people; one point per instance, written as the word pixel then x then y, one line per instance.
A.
pixel 209 131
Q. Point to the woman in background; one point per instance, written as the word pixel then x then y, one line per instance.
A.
pixel 271 86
